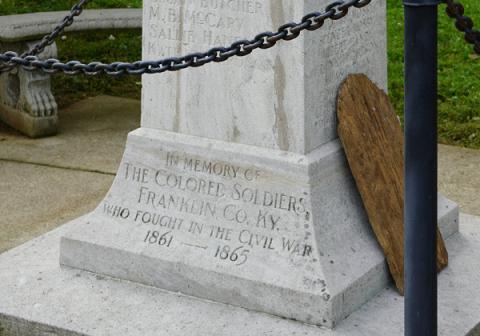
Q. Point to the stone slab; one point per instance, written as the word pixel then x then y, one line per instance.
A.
pixel 287 231
pixel 33 127
pixel 38 297
pixel 29 26
pixel 281 98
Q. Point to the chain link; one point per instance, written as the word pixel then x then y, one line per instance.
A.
pixel 313 21
pixel 463 23
pixel 50 38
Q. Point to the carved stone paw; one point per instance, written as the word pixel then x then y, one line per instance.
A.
pixel 29 91
pixel 35 95
pixel 26 100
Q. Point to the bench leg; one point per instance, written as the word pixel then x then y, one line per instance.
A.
pixel 26 100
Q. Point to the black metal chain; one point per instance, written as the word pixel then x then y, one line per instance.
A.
pixel 313 21
pixel 66 22
pixel 463 23
pixel 51 37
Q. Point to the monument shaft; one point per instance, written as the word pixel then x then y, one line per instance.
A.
pixel 282 98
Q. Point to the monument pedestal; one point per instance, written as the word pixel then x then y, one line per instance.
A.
pixel 263 229
pixel 39 297
pixel 235 189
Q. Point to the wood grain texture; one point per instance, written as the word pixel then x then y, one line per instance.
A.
pixel 373 141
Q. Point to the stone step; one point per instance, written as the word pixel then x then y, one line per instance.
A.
pixel 39 297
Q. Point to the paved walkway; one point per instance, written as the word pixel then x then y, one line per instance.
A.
pixel 45 183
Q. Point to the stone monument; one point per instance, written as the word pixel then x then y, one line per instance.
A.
pixel 235 189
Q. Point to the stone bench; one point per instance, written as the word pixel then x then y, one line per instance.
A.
pixel 26 100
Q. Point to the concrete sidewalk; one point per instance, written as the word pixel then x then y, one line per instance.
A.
pixel 47 182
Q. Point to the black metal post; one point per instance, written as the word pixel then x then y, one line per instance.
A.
pixel 420 167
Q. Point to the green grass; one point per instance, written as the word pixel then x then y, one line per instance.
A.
pixel 459 76
pixel 459 69
pixel 123 45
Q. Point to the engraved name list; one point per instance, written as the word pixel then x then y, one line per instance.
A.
pixel 196 23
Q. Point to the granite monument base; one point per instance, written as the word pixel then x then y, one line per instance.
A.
pixel 267 230
pixel 39 297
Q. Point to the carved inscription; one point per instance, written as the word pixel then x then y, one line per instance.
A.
pixel 176 24
pixel 348 50
pixel 222 210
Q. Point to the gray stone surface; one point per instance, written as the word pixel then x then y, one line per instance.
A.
pixel 30 26
pixel 39 297
pixel 305 248
pixel 282 98
pixel 26 100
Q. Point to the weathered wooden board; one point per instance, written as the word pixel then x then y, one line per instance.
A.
pixel 373 140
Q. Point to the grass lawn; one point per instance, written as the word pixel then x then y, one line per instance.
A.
pixel 108 47
pixel 459 69
pixel 459 76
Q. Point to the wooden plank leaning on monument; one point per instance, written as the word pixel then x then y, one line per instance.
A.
pixel 373 141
